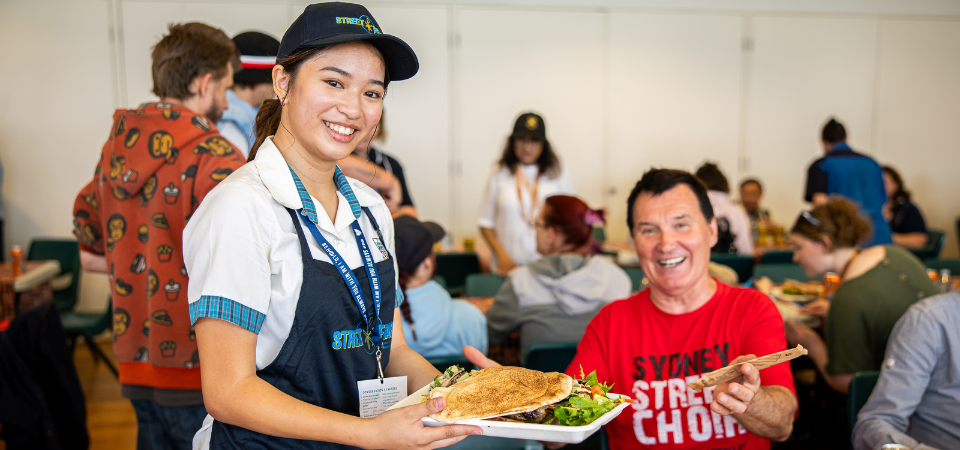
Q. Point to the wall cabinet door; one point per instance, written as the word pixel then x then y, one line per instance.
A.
pixel 672 99
pixel 802 71
pixel 509 62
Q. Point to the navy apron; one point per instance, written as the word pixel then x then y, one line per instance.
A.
pixel 328 349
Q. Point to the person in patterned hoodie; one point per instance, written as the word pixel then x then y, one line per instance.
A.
pixel 158 163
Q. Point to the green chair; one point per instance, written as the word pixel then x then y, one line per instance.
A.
pixel 598 234
pixel 483 285
pixel 89 325
pixel 935 240
pixel 637 279
pixel 861 386
pixel 550 356
pixel 779 272
pixel 440 280
pixel 454 268
pixel 953 265
pixel 441 363
pixel 743 265
pixel 777 257
pixel 68 254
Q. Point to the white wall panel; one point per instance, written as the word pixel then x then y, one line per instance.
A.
pixel 918 116
pixel 144 23
pixel 55 113
pixel 417 110
pixel 510 62
pixel 802 71
pixel 672 99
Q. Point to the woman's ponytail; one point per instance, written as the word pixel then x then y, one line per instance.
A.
pixel 267 124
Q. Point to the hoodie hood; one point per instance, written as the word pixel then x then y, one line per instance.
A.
pixel 145 139
pixel 577 284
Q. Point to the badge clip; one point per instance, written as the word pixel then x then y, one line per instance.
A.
pixel 379 366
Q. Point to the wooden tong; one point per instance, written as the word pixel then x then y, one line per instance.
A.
pixel 732 371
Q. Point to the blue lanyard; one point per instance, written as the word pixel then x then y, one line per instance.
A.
pixel 352 283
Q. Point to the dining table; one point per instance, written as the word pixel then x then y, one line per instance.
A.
pixel 30 288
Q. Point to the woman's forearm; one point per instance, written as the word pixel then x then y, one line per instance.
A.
pixel 910 240
pixel 256 405
pixel 490 236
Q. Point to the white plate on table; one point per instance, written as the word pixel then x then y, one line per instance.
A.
pixel 514 430
pixel 777 292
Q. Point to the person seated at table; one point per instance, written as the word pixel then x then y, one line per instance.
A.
pixel 906 223
pixel 750 192
pixel 915 400
pixel 434 325
pixel 685 325
pixel 555 297
pixel 732 223
pixel 877 285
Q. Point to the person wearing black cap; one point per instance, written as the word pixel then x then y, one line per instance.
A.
pixel 528 173
pixel 252 84
pixel 434 325
pixel 293 284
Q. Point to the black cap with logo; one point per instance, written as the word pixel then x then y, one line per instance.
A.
pixel 257 53
pixel 529 124
pixel 414 241
pixel 332 23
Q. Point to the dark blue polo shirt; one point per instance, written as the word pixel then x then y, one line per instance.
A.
pixel 856 176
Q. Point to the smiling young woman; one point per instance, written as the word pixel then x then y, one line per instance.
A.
pixel 277 309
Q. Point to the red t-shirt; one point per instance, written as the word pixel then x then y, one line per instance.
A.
pixel 651 356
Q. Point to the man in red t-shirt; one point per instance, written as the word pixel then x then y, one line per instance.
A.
pixel 685 325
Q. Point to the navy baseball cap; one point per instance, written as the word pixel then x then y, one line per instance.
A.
pixel 530 124
pixel 258 52
pixel 332 23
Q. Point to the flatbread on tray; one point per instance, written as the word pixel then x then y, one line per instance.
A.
pixel 500 391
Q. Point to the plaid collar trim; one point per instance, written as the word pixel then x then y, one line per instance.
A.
pixel 343 186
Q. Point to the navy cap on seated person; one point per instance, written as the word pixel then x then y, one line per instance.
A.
pixel 258 53
pixel 414 241
pixel 324 24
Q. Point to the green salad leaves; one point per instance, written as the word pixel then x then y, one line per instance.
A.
pixel 587 403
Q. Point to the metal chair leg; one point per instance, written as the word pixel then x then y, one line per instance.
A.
pixel 98 352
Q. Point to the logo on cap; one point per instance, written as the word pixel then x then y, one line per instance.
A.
pixel 362 21
pixel 531 123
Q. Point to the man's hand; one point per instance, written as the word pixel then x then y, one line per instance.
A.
pixel 478 358
pixel 735 396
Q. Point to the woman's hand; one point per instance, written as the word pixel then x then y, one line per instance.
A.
pixel 818 307
pixel 800 334
pixel 401 428
pixel 504 264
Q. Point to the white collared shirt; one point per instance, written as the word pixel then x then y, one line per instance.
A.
pixel 243 256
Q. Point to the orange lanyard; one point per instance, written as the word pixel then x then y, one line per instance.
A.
pixel 534 201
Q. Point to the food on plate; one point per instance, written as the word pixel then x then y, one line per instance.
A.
pixel 515 394
pixel 794 287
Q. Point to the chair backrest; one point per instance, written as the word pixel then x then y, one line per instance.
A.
pixel 67 253
pixel 454 268
pixel 779 272
pixel 441 363
pixel 598 234
pixel 636 278
pixel 935 240
pixel 937 264
pixel 777 257
pixel 861 386
pixel 743 265
pixel 550 356
pixel 482 285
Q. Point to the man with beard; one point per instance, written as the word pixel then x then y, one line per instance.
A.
pixel 158 163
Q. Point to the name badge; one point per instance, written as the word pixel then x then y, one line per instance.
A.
pixel 376 396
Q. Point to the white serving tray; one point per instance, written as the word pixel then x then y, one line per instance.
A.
pixel 514 430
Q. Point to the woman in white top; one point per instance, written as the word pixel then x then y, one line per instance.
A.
pixel 733 225
pixel 528 173
pixel 293 286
